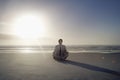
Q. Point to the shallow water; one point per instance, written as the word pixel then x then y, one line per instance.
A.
pixel 49 49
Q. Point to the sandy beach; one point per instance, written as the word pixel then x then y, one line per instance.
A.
pixel 41 66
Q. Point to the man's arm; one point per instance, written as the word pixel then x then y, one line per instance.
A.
pixel 65 48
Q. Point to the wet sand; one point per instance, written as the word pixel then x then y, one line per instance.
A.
pixel 41 66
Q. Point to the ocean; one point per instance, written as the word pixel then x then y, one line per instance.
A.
pixel 70 48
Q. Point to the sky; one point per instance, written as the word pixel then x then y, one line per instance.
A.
pixel 77 22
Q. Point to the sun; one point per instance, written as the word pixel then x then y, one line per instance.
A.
pixel 29 26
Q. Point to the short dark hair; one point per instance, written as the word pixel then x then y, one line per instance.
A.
pixel 60 40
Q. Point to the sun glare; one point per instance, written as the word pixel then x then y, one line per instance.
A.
pixel 29 26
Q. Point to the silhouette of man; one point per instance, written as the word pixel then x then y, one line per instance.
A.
pixel 60 51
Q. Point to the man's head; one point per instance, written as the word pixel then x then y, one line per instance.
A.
pixel 60 41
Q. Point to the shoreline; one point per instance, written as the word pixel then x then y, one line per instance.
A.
pixel 42 66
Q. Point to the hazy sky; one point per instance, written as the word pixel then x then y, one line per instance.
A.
pixel 76 21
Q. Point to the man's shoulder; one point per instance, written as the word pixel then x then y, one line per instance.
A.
pixel 63 45
pixel 56 46
pixel 59 45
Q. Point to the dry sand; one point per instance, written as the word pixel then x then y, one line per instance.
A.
pixel 79 66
